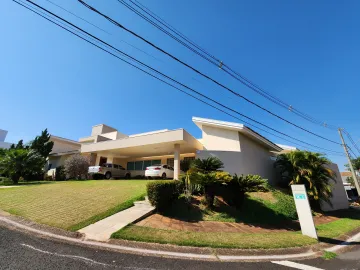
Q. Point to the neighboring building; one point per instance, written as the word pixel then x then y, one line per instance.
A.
pixel 4 144
pixel 62 149
pixel 350 190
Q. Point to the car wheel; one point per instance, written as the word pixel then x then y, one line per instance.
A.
pixel 163 176
pixel 108 175
pixel 127 176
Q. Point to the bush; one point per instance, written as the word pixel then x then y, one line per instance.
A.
pixel 76 167
pixel 4 181
pixel 163 193
pixel 60 174
pixel 234 191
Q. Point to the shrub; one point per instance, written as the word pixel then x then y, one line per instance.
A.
pixel 60 174
pixel 234 191
pixel 210 182
pixel 76 166
pixel 5 181
pixel 163 193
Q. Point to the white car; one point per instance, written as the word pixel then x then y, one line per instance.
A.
pixel 162 170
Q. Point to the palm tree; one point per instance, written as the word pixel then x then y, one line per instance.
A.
pixel 304 167
pixel 206 165
pixel 18 163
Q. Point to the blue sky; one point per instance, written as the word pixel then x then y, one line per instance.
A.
pixel 304 52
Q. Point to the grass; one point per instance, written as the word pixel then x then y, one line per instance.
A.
pixel 326 232
pixel 71 205
pixel 214 239
pixel 329 255
pixel 268 208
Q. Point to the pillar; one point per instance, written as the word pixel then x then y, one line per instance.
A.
pixel 176 161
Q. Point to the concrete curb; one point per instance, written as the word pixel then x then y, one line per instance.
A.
pixel 182 255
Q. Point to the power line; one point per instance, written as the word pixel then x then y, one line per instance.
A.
pixel 202 74
pixel 215 61
pixel 352 141
pixel 68 11
pixel 154 70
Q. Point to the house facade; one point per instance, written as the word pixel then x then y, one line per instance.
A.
pixel 241 149
pixel 62 149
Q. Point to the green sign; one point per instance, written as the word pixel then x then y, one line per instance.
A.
pixel 300 196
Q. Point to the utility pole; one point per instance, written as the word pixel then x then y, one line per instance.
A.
pixel 350 163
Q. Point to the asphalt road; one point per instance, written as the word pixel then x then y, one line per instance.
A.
pixel 19 250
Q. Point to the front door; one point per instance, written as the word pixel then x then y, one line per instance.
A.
pixel 102 161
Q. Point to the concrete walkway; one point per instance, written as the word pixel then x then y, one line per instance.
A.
pixel 102 230
pixel 9 186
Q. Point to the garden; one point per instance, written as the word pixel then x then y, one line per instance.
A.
pixel 210 208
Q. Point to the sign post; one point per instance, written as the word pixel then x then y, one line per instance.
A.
pixel 304 211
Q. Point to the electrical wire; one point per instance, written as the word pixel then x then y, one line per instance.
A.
pixel 351 140
pixel 202 74
pixel 139 62
pixel 215 61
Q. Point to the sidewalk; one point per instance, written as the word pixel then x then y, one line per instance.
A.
pixel 103 229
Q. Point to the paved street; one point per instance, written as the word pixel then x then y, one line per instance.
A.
pixel 23 251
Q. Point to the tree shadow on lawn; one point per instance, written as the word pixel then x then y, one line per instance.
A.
pixel 34 183
pixel 253 213
pixel 350 213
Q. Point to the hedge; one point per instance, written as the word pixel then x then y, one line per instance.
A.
pixel 163 193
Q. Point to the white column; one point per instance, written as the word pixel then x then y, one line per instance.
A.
pixel 97 160
pixel 176 161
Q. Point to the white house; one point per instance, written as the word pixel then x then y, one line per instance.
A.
pixel 4 144
pixel 241 149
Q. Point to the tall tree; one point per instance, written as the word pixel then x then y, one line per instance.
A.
pixel 42 144
pixel 356 164
pixel 304 167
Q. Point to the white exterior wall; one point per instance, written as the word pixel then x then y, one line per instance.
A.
pixel 220 139
pixel 252 158
pixel 339 199
pixel 62 146
pixel 4 144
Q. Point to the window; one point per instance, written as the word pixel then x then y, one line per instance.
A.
pixel 139 165
pixel 121 167
pixel 156 162
pixel 107 165
pixel 130 166
pixel 116 166
pixel 170 168
pixel 165 166
pixel 170 162
pixel 147 163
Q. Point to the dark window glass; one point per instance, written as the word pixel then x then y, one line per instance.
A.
pixel 155 162
pixel 116 166
pixel 138 165
pixel 170 161
pixel 147 163
pixel 131 166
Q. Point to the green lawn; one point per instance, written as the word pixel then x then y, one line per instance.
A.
pixel 71 205
pixel 327 233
